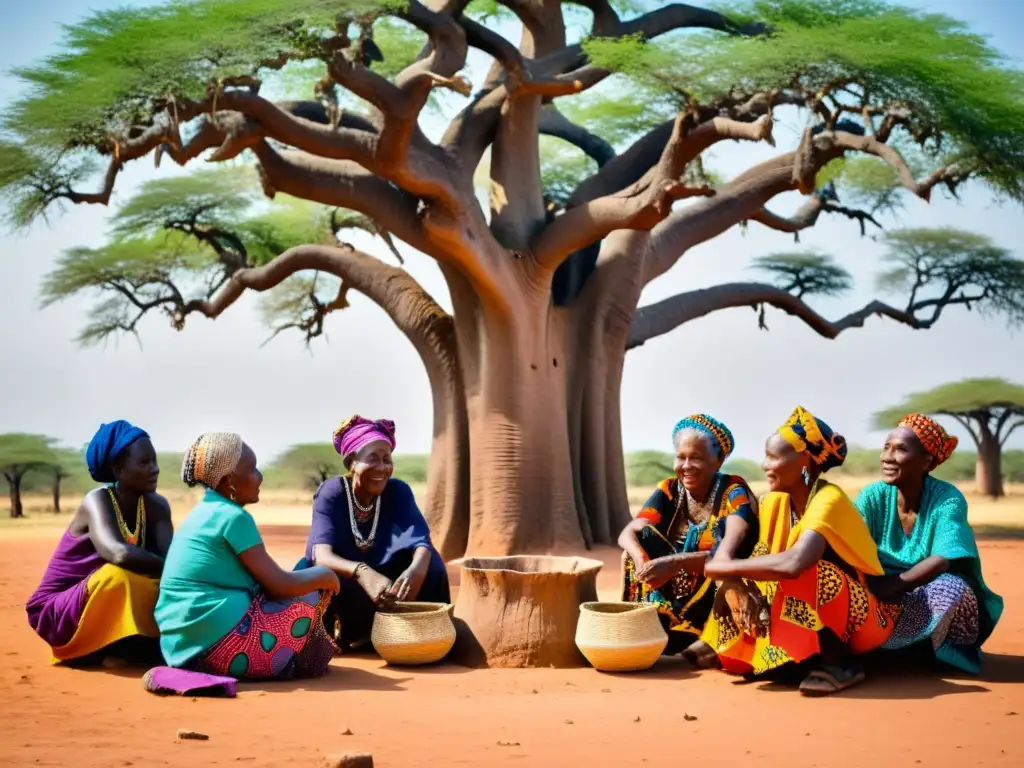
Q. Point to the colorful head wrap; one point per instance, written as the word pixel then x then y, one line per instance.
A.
pixel 356 432
pixel 109 440
pixel 211 457
pixel 814 437
pixel 720 434
pixel 936 441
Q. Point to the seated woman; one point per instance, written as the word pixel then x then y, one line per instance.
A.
pixel 667 544
pixel 927 548
pixel 802 595
pixel 368 529
pixel 97 595
pixel 225 607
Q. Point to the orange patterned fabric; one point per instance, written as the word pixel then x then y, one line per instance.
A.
pixel 936 440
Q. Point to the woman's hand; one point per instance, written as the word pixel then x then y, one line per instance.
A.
pixel 407 586
pixel 746 605
pixel 657 572
pixel 377 586
pixel 886 587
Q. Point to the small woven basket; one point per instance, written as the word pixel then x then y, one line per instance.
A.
pixel 413 633
pixel 620 637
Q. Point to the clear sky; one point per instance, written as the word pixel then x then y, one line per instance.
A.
pixel 214 375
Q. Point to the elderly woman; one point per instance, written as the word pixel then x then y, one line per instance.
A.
pixel 98 592
pixel 225 607
pixel 368 529
pixel 927 547
pixel 802 595
pixel 668 542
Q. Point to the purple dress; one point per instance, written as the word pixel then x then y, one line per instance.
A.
pixel 400 532
pixel 56 607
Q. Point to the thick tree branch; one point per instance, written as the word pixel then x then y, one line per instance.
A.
pixel 663 316
pixel 649 201
pixel 554 123
pixel 415 313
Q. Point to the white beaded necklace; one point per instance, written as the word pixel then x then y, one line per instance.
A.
pixel 353 504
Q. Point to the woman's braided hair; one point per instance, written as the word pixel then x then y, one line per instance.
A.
pixel 211 457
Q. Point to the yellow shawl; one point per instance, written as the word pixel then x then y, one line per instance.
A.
pixel 829 513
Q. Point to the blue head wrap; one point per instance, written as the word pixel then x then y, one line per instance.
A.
pixel 109 440
pixel 721 436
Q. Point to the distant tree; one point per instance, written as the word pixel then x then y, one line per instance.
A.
pixel 63 467
pixel 19 454
pixel 310 463
pixel 989 409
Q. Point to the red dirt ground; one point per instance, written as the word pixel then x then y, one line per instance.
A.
pixel 452 716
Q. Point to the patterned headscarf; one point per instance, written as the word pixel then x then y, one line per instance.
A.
pixel 936 441
pixel 356 432
pixel 211 457
pixel 105 446
pixel 813 436
pixel 720 434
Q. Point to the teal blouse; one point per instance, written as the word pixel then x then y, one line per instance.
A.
pixel 205 590
pixel 941 529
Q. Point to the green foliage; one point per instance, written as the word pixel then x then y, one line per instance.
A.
pixel 748 469
pixel 806 274
pixel 617 114
pixel 965 99
pixel 959 397
pixel 648 468
pixel 966 267
pixel 20 452
pixel 562 168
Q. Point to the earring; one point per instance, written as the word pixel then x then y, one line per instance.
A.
pixel 806 476
pixel 232 496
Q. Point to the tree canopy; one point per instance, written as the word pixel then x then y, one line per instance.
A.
pixel 967 399
pixel 595 129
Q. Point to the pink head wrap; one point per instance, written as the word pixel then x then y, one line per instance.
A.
pixel 356 432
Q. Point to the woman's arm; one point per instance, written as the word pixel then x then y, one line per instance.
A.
pixel 110 544
pixel 163 527
pixel 628 540
pixel 899 584
pixel 808 550
pixel 325 556
pixel 736 531
pixel 279 583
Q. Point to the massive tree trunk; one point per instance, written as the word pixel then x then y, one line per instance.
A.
pixel 989 473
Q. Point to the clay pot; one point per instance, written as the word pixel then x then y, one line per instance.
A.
pixel 620 637
pixel 413 633
pixel 521 611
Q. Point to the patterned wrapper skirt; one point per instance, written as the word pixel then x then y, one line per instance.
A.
pixel 276 639
pixel 684 602
pixel 824 596
pixel 945 613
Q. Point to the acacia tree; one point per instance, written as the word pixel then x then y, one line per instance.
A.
pixel 313 463
pixel 20 454
pixel 526 371
pixel 989 409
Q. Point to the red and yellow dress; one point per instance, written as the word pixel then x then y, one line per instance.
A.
pixel 832 594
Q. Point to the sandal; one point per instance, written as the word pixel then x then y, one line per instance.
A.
pixel 827 680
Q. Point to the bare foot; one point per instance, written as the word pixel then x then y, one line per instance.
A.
pixel 701 656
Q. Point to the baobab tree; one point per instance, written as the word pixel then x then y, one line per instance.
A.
pixel 526 369
pixel 989 409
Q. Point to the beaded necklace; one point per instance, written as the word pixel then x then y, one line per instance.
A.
pixel 695 512
pixel 353 505
pixel 137 537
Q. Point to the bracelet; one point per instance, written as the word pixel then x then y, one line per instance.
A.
pixel 356 569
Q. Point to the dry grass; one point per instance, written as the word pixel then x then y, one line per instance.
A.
pixel 292 507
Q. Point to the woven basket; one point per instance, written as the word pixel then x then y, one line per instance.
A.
pixel 413 633
pixel 620 637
